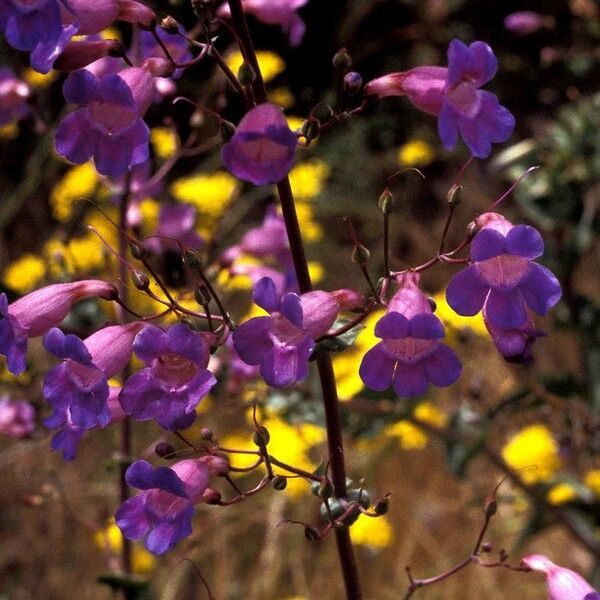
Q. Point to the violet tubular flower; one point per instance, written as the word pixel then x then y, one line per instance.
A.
pixel 77 389
pixel 175 230
pixel 503 275
pixel 563 584
pixel 283 342
pixel 263 148
pixel 17 418
pixel 411 354
pixel 175 381
pixel 108 126
pixel 161 513
pixel 37 312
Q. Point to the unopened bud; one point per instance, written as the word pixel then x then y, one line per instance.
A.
pixel 261 437
pixel 206 434
pixel 164 450
pixel 325 490
pixel 140 280
pixel 226 129
pixel 137 249
pixel 382 506
pixel 453 196
pixel 279 483
pixel 211 496
pixel 311 533
pixel 360 254
pixel 341 60
pixel 246 74
pixel 310 129
pixel 170 25
pixel 193 259
pixel 386 201
pixel 487 547
pixel 202 295
pixel 352 83
pixel 361 496
pixel 432 303
pixel 490 508
pixel 197 119
pixel 472 229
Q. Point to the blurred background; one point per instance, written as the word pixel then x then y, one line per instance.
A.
pixel 536 427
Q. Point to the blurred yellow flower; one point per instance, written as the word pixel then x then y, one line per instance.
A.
pixel 415 153
pixel 9 131
pixel 412 437
pixel 316 271
pixel 25 273
pixel 592 480
pixel 282 97
pixel 375 532
pixel 289 443
pixel 77 183
pixel 346 363
pixel 111 539
pixel 561 493
pixel 311 229
pixel 164 141
pixel 39 80
pixel 294 123
pixel 307 179
pixel 270 64
pixel 533 452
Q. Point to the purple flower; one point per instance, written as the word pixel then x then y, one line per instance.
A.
pixel 14 94
pixel 283 342
pixel 275 12
pixel 175 229
pixel 17 418
pixel 563 584
pixel 503 275
pixel 410 355
pixel 162 512
pixel 453 94
pixel 34 314
pixel 263 148
pixel 108 126
pixel 524 22
pixel 170 388
pixel 69 435
pixel 77 388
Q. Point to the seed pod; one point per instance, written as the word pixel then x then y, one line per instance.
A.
pixel 261 437
pixel 279 483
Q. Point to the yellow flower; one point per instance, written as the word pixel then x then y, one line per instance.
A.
pixel 345 364
pixel 111 539
pixel 533 452
pixel 87 253
pixel 270 64
pixel 9 131
pixel 375 532
pixel 454 322
pixel 25 273
pixel 282 97
pixel 415 153
pixel 411 437
pixel 288 443
pixel 311 230
pixel 210 194
pixel 316 271
pixel 592 480
pixel 164 141
pixel 294 123
pixel 77 183
pixel 307 179
pixel 561 493
pixel 39 80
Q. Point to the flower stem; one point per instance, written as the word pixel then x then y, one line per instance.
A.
pixel 326 375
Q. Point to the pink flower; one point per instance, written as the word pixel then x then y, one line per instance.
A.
pixel 17 419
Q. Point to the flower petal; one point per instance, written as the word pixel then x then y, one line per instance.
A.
pixel 466 292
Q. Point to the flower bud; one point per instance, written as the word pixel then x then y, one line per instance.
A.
pixel 325 490
pixel 279 483
pixel 311 533
pixel 352 83
pixel 170 25
pixel 140 280
pixel 164 450
pixel 206 434
pixel 341 60
pixel 453 197
pixel 361 496
pixel 246 74
pixel 211 496
pixel 261 437
pixel 79 54
pixel 137 249
pixel 386 202
pixel 490 508
pixel 360 254
pixel 202 295
pixel 348 299
pixel 382 506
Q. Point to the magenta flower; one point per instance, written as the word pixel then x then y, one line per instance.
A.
pixel 170 388
pixel 14 94
pixel 453 95
pixel 17 418
pixel 563 584
pixel 161 513
pixel 524 22
pixel 175 229
pixel 108 126
pixel 411 354
pixel 36 313
pixel 263 148
pixel 503 275
pixel 77 388
pixel 283 342
pixel 275 12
